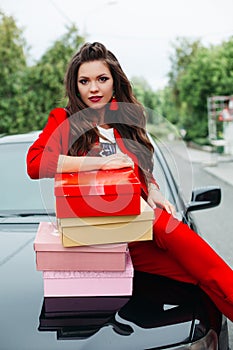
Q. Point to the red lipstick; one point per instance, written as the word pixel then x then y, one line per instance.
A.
pixel 95 99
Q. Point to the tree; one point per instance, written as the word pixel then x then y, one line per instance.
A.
pixel 28 93
pixel 12 69
pixel 167 107
pixel 197 73
pixel 43 84
pixel 146 96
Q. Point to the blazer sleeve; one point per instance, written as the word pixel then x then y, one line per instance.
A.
pixel 42 156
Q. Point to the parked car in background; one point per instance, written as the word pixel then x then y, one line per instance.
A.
pixel 161 314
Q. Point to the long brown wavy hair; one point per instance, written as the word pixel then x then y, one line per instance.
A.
pixel 129 120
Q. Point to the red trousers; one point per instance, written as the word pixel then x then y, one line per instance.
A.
pixel 181 254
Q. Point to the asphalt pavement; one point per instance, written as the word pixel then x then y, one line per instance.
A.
pixel 219 165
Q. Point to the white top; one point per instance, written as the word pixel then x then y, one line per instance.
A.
pixel 108 133
pixel 108 143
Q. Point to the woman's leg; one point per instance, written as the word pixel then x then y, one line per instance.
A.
pixel 178 252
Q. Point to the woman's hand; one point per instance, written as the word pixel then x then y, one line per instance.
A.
pixel 67 164
pixel 156 198
pixel 116 161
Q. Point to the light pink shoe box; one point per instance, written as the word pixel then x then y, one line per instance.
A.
pixel 89 283
pixel 52 256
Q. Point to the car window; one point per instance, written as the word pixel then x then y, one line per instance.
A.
pixel 18 192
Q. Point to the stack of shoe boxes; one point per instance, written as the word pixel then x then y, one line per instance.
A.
pixel 84 258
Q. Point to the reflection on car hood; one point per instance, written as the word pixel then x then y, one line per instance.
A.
pixel 160 313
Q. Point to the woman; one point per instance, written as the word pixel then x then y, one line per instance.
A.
pixel 103 127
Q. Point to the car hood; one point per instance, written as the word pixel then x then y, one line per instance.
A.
pixel 160 313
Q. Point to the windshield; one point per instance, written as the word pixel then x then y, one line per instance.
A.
pixel 20 194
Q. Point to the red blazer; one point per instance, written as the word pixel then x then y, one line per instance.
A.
pixel 42 157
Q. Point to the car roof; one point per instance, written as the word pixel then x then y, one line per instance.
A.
pixel 18 138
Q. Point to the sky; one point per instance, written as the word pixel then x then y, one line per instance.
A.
pixel 139 32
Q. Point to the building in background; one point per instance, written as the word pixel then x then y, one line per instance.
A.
pixel 220 122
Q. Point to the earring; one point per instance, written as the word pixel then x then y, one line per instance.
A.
pixel 113 104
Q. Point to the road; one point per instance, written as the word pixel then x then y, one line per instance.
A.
pixel 215 224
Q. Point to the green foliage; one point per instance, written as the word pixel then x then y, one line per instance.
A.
pixel 146 96
pixel 28 93
pixel 184 51
pixel 197 73
pixel 12 68
pixel 44 81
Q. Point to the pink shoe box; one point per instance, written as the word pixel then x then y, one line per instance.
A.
pixel 89 283
pixel 52 256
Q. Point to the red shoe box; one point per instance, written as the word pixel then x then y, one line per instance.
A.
pixel 97 193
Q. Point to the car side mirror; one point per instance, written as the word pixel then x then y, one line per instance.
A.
pixel 204 198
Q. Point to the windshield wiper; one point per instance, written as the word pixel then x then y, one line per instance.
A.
pixel 35 214
pixel 10 214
